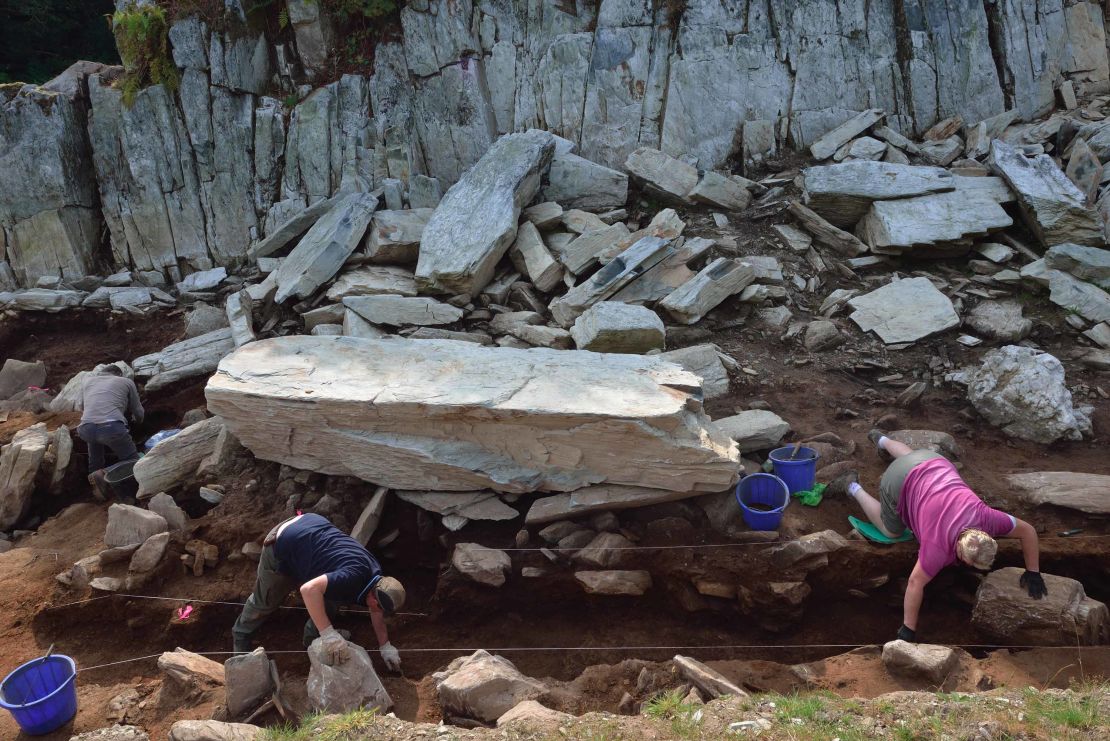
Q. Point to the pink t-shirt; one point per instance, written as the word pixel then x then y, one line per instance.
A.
pixel 937 505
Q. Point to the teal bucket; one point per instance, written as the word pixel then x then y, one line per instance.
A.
pixel 799 472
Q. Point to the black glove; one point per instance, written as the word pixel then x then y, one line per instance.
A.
pixel 906 634
pixel 1033 582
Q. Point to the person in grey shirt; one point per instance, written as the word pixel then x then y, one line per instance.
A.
pixel 109 399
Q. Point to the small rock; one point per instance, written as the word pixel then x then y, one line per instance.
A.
pixel 483 687
pixel 920 660
pixel 128 525
pixel 248 681
pixel 620 583
pixel 483 565
pixel 822 335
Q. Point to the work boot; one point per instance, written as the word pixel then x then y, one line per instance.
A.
pixel 101 489
pixel 874 436
pixel 838 487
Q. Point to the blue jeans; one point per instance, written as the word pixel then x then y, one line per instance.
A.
pixel 113 435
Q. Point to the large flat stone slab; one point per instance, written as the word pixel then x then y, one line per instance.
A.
pixel 904 311
pixel 452 416
pixel 599 498
pixel 842 193
pixel 1086 492
pixel 196 356
pixel 1066 616
pixel 325 247
pixel 403 310
pixel 1054 208
pixel 898 226
pixel 476 221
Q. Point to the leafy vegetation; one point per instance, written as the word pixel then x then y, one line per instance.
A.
pixel 684 717
pixel 347 727
pixel 142 36
pixel 40 38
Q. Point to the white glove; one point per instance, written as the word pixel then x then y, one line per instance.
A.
pixel 391 658
pixel 335 646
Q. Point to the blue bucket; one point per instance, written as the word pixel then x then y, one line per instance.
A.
pixel 767 490
pixel 42 694
pixel 800 474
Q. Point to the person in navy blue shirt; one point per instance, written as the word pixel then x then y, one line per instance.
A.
pixel 329 568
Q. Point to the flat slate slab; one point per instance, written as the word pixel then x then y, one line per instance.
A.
pixel 898 226
pixel 440 415
pixel 1086 492
pixel 842 193
pixel 904 311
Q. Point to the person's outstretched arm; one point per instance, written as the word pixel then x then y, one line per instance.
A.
pixel 390 656
pixel 134 406
pixel 1031 580
pixel 911 604
pixel 335 646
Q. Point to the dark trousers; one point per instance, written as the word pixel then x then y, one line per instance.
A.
pixel 270 590
pixel 109 435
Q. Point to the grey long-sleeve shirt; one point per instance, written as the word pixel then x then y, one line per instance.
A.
pixel 109 398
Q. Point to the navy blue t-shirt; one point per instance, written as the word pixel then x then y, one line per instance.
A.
pixel 312 546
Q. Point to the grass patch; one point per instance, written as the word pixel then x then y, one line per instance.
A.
pixel 684 717
pixel 346 727
pixel 1078 712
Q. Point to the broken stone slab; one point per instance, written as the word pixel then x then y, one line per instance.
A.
pixel 541 336
pixel 371 516
pixel 717 281
pixel 920 660
pixel 196 356
pixel 665 225
pixel 899 226
pixel 1099 334
pixel 483 687
pixel 476 221
pixel 598 498
pixel 580 222
pixel 622 270
pixel 1023 391
pixel 793 238
pixel 146 558
pixel 432 333
pixel 831 141
pixel 809 551
pixel 999 320
pixel 345 687
pixel 863 148
pixel 1084 170
pixel 424 191
pixel 604 551
pixel 204 280
pixel 16 376
pixel 293 227
pixel 721 191
pixel 1054 208
pixel 670 273
pixel 42 299
pixel 1077 296
pixel 942 152
pixel 995 252
pixel 240 317
pixel 115 732
pixel 531 257
pixel 704 361
pixel 546 215
pixel 615 583
pixel 934 440
pixel 844 192
pixel 616 327
pixel 904 311
pixel 61 446
pixel 19 463
pixel 128 525
pixel 821 335
pixel 394 235
pixel 249 682
pixel 204 318
pixel 471 505
pixel 400 311
pixel 1091 264
pixel 163 504
pixel 373 280
pixel 500 413
pixel 586 250
pixel 173 461
pixel 214 730
pixel 531 714
pixel 502 323
pixel 190 671
pixel 480 564
pixel 1085 492
pixel 576 182
pixel 709 681
pixel 1065 616
pixel 754 429
pixel 324 248
pixel 662 175
pixel 843 242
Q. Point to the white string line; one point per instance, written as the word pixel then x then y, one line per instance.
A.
pixel 520 649
pixel 206 602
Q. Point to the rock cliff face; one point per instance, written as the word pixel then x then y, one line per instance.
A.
pixel 188 180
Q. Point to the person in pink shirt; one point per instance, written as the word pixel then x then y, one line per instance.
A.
pixel 923 491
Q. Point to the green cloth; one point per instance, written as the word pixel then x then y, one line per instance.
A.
pixel 872 533
pixel 812 497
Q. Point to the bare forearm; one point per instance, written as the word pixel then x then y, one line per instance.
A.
pixel 911 604
pixel 1030 546
pixel 314 601
pixel 377 619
